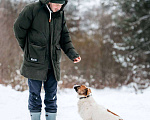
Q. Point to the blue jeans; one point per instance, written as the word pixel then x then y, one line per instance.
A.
pixel 50 87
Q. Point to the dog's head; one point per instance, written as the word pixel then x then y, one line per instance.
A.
pixel 82 90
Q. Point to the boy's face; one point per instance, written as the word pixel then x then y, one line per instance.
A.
pixel 55 6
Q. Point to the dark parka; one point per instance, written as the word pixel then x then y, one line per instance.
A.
pixel 38 38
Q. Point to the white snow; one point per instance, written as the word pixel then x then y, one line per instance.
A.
pixel 124 101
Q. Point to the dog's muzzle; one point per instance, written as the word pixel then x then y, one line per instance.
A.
pixel 76 87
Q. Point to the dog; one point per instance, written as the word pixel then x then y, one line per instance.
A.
pixel 89 109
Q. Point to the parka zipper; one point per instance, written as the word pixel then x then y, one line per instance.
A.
pixel 51 36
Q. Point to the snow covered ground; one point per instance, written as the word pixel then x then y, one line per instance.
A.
pixel 130 106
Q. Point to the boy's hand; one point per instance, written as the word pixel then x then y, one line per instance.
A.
pixel 76 60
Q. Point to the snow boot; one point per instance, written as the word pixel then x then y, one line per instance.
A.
pixel 50 116
pixel 35 115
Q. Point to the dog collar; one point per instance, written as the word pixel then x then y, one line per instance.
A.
pixel 85 97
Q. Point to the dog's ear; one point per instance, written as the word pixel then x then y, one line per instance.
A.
pixel 88 91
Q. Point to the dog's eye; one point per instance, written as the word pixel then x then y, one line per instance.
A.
pixel 78 87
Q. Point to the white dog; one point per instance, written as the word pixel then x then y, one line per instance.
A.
pixel 89 109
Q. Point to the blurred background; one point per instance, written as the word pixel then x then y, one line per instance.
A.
pixel 111 36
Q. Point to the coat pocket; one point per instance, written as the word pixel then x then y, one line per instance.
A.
pixel 58 54
pixel 37 53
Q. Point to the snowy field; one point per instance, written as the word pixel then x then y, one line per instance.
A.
pixel 130 106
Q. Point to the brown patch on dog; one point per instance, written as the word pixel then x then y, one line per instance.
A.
pixel 113 113
pixel 83 90
pixel 88 91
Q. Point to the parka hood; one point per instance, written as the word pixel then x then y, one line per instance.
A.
pixel 47 1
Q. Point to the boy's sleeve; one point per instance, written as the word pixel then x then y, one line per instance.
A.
pixel 66 42
pixel 22 24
